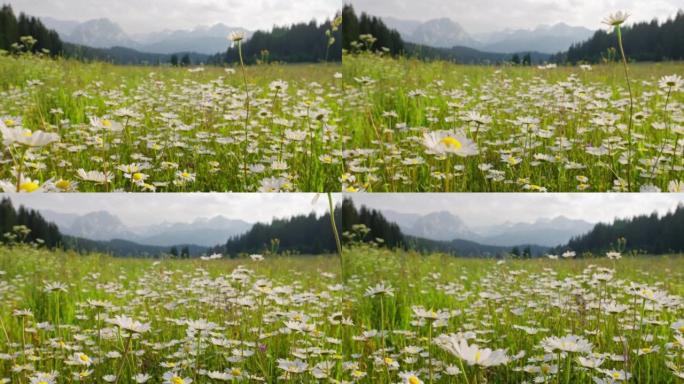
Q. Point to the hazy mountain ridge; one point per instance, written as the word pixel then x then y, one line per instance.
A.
pixel 103 33
pixel 446 33
pixel 444 226
pixel 104 226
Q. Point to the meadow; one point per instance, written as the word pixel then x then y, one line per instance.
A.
pixel 441 319
pixel 438 126
pixel 392 317
pixel 70 318
pixel 70 126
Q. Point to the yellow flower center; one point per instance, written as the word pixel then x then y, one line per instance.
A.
pixel 83 357
pixel 646 350
pixel 616 375
pixel 388 360
pixel 358 373
pixel 477 356
pixel 28 133
pixel 236 371
pixel 106 123
pixel 177 380
pixel 545 369
pixel 138 176
pixel 451 142
pixel 42 382
pixel 413 380
pixel 9 122
pixel 681 328
pixel 352 189
pixel 185 174
pixel 63 184
pixel 28 186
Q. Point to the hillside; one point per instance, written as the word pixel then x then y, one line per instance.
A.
pixel 124 248
pixel 465 55
pixel 465 248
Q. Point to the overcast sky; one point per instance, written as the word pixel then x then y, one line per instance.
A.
pixel 143 16
pixel 144 209
pixel 479 209
pixel 478 16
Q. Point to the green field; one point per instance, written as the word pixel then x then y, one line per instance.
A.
pixel 439 126
pixel 169 129
pixel 209 321
pixel 292 319
pixel 630 307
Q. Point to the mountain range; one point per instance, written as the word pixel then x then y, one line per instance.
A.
pixel 445 226
pixel 104 33
pixel 447 33
pixel 104 226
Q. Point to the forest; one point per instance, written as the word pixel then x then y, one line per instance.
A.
pixel 298 43
pixel 355 27
pixel 651 234
pixel 26 225
pixel 13 28
pixel 645 41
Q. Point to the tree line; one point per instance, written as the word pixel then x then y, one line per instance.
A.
pixel 24 225
pixel 13 28
pixel 368 225
pixel 356 29
pixel 297 43
pixel 302 234
pixel 651 234
pixel 644 41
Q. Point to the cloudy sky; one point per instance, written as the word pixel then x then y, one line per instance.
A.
pixel 496 208
pixel 478 16
pixel 136 16
pixel 145 209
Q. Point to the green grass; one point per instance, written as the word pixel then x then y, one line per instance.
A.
pixel 256 305
pixel 174 121
pixel 249 303
pixel 489 298
pixel 391 103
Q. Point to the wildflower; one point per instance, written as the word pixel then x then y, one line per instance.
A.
pixel 106 124
pixel 444 142
pixel 292 366
pixel 616 19
pixel 471 354
pixel 94 176
pixel 129 324
pixel 236 36
pixel 174 378
pixel 569 254
pixel 410 378
pixel 80 358
pixel 26 137
pixel 612 255
pixel 569 343
pixel 380 290
pixel 671 82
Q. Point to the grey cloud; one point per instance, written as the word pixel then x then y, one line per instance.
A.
pixel 137 16
pixel 491 15
pixel 139 209
pixel 494 208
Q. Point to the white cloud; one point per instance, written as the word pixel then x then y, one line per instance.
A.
pixel 137 16
pixel 491 15
pixel 143 209
pixel 478 209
